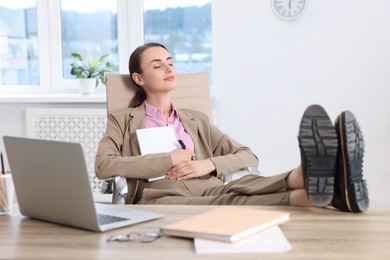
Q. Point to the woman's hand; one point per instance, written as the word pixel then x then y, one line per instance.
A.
pixel 181 155
pixel 190 169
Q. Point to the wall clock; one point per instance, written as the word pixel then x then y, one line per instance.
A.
pixel 289 9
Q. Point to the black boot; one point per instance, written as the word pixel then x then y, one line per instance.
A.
pixel 350 192
pixel 318 143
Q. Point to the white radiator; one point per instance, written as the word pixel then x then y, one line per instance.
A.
pixel 84 126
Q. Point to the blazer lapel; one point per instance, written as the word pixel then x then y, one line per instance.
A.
pixel 191 127
pixel 136 119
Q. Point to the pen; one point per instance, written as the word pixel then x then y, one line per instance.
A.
pixel 182 144
pixel 193 158
pixel 2 163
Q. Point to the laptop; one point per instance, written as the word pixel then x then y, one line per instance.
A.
pixel 51 184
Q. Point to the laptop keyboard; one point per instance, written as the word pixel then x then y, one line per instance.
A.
pixel 108 219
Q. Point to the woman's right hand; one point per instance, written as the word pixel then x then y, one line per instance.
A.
pixel 181 155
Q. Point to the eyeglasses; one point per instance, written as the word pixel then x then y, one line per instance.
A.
pixel 143 237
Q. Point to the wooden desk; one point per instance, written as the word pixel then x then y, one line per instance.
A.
pixel 313 233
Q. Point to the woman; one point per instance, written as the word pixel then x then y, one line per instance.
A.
pixel 189 181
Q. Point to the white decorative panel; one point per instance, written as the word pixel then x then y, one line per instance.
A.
pixel 84 126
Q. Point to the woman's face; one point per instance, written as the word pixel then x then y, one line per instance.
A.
pixel 158 73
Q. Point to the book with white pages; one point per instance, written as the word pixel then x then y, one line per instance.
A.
pixel 157 140
pixel 271 240
pixel 226 223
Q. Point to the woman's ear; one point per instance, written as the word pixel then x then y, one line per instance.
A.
pixel 137 79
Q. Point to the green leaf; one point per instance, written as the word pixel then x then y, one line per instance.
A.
pixel 93 64
pixel 102 58
pixel 76 55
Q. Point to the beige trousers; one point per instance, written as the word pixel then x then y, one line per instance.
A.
pixel 248 190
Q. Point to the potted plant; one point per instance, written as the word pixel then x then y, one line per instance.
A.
pixel 92 72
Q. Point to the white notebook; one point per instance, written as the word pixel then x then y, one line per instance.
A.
pixel 157 140
pixel 271 240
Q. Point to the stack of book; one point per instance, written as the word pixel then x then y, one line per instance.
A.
pixel 229 229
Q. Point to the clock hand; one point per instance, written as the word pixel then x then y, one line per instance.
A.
pixel 289 5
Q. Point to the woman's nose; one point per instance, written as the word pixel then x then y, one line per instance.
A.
pixel 168 68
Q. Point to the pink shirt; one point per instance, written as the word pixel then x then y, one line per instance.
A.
pixel 154 118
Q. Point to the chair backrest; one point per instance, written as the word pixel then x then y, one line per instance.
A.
pixel 192 92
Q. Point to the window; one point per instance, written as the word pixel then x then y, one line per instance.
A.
pixel 88 29
pixel 37 37
pixel 184 27
pixel 18 43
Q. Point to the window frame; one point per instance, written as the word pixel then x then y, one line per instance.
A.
pixel 50 46
pixel 129 12
pixel 43 39
pixel 130 18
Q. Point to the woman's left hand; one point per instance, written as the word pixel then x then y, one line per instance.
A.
pixel 190 169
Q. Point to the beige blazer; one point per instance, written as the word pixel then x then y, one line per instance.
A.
pixel 119 154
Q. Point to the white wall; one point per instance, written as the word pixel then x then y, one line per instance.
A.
pixel 267 71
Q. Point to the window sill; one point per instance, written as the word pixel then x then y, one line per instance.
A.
pixel 53 98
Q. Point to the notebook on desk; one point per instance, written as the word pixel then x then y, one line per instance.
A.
pixel 51 184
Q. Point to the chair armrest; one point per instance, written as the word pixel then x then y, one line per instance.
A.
pixel 107 186
pixel 116 186
pixel 239 174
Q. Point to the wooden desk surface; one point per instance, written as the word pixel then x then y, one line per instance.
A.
pixel 313 233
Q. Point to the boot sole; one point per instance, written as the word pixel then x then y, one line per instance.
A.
pixel 352 153
pixel 318 142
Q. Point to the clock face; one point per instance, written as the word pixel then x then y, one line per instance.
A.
pixel 289 9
